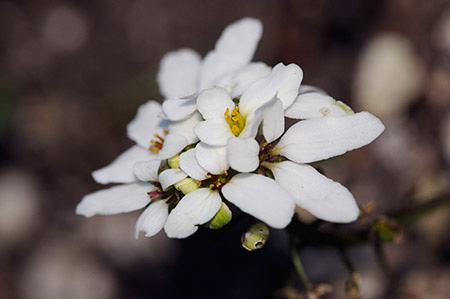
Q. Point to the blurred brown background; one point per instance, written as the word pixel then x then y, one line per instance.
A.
pixel 72 74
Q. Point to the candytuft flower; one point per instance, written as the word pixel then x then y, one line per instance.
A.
pixel 219 140
pixel 183 73
pixel 330 130
pixel 254 194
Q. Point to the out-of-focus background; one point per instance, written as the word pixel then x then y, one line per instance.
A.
pixel 73 73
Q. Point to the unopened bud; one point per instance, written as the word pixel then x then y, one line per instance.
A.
pixel 186 185
pixel 174 162
pixel 388 230
pixel 255 237
pixel 222 217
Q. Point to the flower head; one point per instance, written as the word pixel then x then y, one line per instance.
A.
pixel 219 139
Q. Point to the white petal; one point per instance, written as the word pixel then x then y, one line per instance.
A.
pixel 146 123
pixel 310 88
pixel 234 49
pixel 121 169
pixel 178 109
pixel 312 105
pixel 322 197
pixel 195 208
pixel 214 132
pixel 186 127
pixel 173 144
pixel 213 103
pixel 243 154
pixel 178 73
pixel 147 171
pixel 260 197
pixel 254 119
pixel 213 159
pixel 282 83
pixel 152 220
pixel 237 82
pixel 115 200
pixel 190 165
pixel 170 177
pixel 321 138
pixel 273 123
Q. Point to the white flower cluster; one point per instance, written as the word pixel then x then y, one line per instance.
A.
pixel 219 138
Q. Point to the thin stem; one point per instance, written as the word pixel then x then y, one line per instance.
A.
pixel 298 267
pixel 347 262
pixel 382 261
pixel 384 265
pixel 416 213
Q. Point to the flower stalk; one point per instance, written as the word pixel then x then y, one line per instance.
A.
pixel 297 263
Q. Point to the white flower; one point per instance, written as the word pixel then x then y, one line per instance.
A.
pixel 180 134
pixel 254 194
pixel 229 129
pixel 317 138
pixel 155 138
pixel 154 191
pixel 210 121
pixel 183 73
pixel 142 130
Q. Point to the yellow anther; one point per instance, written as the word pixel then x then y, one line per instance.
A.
pixel 235 121
pixel 159 137
pixel 157 143
pixel 166 131
pixel 154 150
pixel 235 130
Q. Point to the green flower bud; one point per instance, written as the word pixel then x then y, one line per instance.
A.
pixel 255 237
pixel 387 229
pixel 222 217
pixel 174 162
pixel 186 185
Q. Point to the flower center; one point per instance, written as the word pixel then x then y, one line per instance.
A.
pixel 214 181
pixel 267 154
pixel 235 120
pixel 157 142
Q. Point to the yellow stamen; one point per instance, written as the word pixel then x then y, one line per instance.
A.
pixel 157 143
pixel 159 137
pixel 235 121
pixel 154 150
